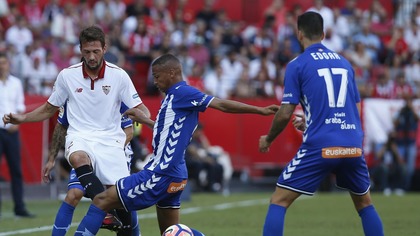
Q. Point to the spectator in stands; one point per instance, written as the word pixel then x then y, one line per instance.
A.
pixel 51 9
pixel 333 41
pixel 137 7
pixel 36 77
pixel 371 41
pixel 12 101
pixel 21 64
pixel 19 35
pixel 214 83
pixel 232 36
pixel 412 37
pixel 232 69
pixel 383 86
pixel 195 79
pixel 402 89
pixel 85 13
pixel 389 168
pixel 406 125
pixel 203 163
pixel 286 30
pixel 64 25
pixel 140 41
pixel 199 51
pixel 362 64
pixel 326 13
pixel 33 14
pixel 207 14
pixel 159 11
pixel 397 51
pixel 263 40
pixel 51 72
pixel 412 73
pixel 262 73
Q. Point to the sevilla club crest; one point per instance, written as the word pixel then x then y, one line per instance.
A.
pixel 106 89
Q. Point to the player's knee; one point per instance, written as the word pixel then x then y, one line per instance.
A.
pixel 73 196
pixel 78 159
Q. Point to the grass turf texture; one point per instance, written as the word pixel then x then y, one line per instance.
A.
pixel 242 214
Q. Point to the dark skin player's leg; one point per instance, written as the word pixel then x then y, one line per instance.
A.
pixel 167 217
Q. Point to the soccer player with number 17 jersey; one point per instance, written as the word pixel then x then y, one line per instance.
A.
pixel 322 81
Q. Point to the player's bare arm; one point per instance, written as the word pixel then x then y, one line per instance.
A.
pixel 137 115
pixel 129 134
pixel 280 121
pixel 230 106
pixel 58 139
pixel 43 112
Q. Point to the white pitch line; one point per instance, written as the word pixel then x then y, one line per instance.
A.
pixel 191 210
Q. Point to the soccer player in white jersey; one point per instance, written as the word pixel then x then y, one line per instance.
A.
pixel 75 190
pixel 164 177
pixel 322 81
pixel 94 90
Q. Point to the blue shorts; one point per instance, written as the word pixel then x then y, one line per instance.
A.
pixel 309 167
pixel 145 189
pixel 74 181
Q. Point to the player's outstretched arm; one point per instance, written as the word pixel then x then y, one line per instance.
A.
pixel 280 121
pixel 58 139
pixel 43 112
pixel 230 106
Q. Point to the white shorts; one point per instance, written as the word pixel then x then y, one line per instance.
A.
pixel 109 162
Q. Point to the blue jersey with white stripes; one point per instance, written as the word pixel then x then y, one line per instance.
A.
pixel 125 120
pixel 174 125
pixel 322 81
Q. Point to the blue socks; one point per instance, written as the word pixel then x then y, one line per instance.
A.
pixel 274 221
pixel 135 228
pixel 91 222
pixel 63 219
pixel 372 224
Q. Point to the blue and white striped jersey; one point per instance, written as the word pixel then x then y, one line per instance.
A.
pixel 174 125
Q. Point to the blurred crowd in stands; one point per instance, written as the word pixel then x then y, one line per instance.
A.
pixel 223 57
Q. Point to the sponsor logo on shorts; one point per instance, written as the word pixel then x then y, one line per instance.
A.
pixel 136 95
pixel 341 152
pixel 175 187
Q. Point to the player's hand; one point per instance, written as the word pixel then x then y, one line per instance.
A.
pixel 264 146
pixel 270 110
pixel 12 119
pixel 46 171
pixel 299 122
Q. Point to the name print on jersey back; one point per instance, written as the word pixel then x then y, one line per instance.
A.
pixel 332 86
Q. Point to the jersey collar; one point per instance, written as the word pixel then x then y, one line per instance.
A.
pixel 101 71
pixel 176 86
pixel 315 45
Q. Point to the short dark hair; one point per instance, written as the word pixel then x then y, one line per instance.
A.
pixel 92 33
pixel 166 59
pixel 311 24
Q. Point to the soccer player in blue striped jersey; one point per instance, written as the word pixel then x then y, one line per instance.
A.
pixel 322 81
pixel 165 175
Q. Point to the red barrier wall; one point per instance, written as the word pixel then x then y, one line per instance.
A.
pixel 33 143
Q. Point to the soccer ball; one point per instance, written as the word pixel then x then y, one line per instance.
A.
pixel 178 230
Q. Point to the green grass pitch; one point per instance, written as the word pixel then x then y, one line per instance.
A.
pixel 243 214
